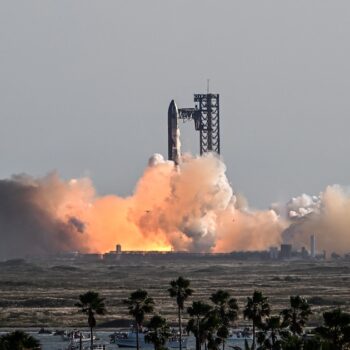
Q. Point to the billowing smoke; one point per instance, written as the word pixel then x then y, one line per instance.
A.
pixel 187 202
pixel 300 206
pixel 327 216
pixel 36 218
pixel 191 207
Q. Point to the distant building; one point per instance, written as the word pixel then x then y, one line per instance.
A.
pixel 304 253
pixel 118 248
pixel 313 246
pixel 286 251
pixel 273 251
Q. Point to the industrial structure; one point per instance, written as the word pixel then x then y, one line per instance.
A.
pixel 286 252
pixel 206 117
pixel 313 246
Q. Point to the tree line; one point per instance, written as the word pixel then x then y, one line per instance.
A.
pixel 210 322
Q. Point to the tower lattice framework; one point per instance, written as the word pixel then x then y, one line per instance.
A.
pixel 206 116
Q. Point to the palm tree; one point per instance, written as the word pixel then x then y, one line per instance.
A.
pixel 197 324
pixel 139 304
pixel 180 289
pixel 158 332
pixel 297 315
pixel 294 342
pixel 90 304
pixel 18 340
pixel 273 332
pixel 256 310
pixel 213 341
pixel 227 311
pixel 211 326
pixel 336 329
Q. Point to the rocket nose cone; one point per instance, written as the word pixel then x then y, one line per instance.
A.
pixel 172 108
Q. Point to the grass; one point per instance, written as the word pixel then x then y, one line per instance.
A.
pixel 44 293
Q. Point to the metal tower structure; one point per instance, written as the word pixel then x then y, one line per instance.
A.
pixel 206 116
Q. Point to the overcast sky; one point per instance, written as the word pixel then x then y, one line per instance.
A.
pixel 85 87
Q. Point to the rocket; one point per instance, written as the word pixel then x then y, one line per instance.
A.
pixel 174 151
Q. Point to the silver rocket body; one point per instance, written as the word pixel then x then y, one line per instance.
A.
pixel 174 151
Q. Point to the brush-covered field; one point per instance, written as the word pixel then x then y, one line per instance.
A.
pixel 44 293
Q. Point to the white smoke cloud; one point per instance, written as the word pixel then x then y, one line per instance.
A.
pixel 157 159
pixel 326 216
pixel 302 205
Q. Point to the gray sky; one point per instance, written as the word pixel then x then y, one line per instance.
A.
pixel 85 87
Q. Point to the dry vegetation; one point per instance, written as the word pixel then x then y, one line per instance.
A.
pixel 43 294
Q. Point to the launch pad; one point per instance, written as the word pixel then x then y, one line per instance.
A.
pixel 206 117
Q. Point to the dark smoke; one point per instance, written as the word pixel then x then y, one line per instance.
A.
pixel 27 227
pixel 77 224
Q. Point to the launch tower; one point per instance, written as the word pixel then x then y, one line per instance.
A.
pixel 206 117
